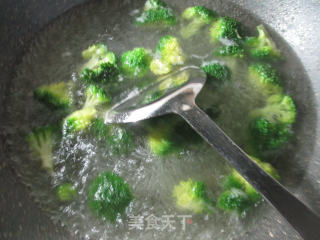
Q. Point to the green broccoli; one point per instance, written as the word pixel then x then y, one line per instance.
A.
pixel 159 141
pixel 229 51
pixel 198 16
pixel 161 137
pixel 154 4
pixel 265 78
pixel 95 96
pixel 216 71
pixel 56 95
pixel 66 192
pixel 192 195
pixel 235 180
pixel 156 12
pixel 265 135
pixel 270 127
pixel 158 67
pixel 231 55
pixel 109 196
pixel 234 200
pixel 262 47
pixel 97 54
pixel 279 108
pixel 103 74
pixel 168 53
pixel 136 63
pixel 94 51
pixel 81 119
pixel 225 28
pixel 116 137
pixel 160 16
pixel 41 142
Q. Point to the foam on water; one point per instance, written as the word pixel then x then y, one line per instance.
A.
pixel 56 56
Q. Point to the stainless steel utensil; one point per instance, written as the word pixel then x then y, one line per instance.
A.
pixel 181 101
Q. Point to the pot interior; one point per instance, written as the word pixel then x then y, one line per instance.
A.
pixel 111 22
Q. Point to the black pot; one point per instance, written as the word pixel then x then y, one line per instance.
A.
pixel 297 22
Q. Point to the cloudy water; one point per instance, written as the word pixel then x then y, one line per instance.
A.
pixel 56 56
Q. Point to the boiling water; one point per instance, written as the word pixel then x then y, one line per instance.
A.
pixel 56 56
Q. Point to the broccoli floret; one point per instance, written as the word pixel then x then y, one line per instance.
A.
pixel 264 73
pixel 162 138
pixel 192 195
pixel 168 53
pixel 231 55
pixel 96 55
pixel 81 119
pixel 268 168
pixel 95 96
pixel 264 77
pixel 225 28
pixel 158 67
pixel 109 196
pixel 279 108
pixel 66 192
pixel 160 16
pixel 253 195
pixel 199 13
pixel 104 73
pixel 235 180
pixel 198 16
pixel 101 67
pixel 56 95
pixel 156 13
pixel 229 51
pixel 216 71
pixel 266 135
pixel 41 142
pixel 136 63
pixel 160 142
pixel 94 51
pixel 262 47
pixel 116 137
pixel 154 4
pixel 234 200
pixel 270 128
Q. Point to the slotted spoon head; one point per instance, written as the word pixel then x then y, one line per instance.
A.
pixel 168 94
